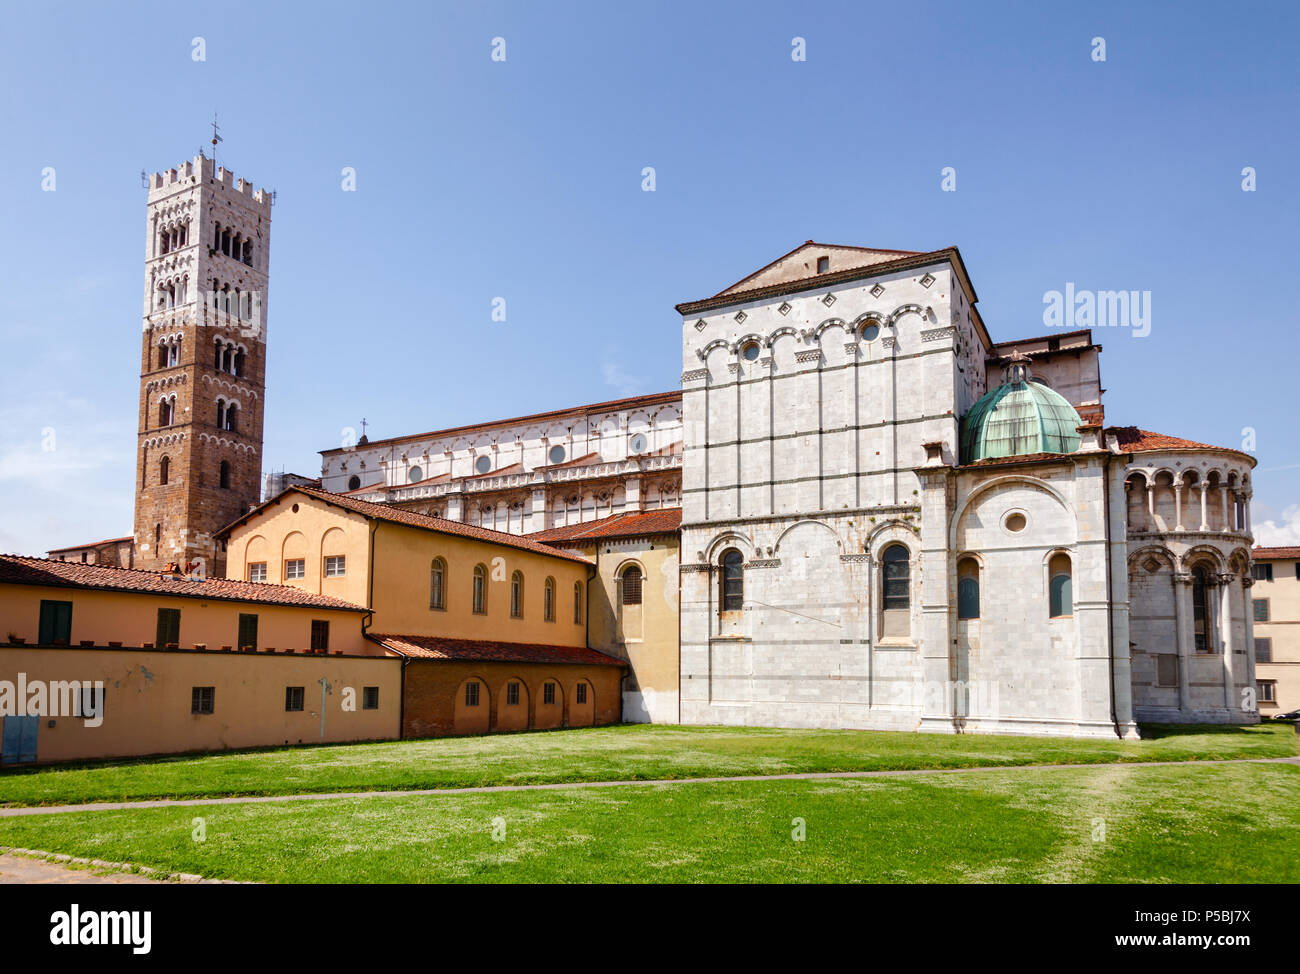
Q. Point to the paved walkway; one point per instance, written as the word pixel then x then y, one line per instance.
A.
pixel 567 785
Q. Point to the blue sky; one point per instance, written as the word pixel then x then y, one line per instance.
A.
pixel 521 179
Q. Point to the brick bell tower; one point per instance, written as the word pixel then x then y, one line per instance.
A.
pixel 202 364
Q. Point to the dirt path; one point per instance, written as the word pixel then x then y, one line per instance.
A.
pixel 22 869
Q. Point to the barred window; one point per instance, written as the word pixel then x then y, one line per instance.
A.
pixel 582 693
pixel 1263 649
pixel 294 698
pixel 548 693
pixel 471 693
pixel 512 694
pixel 632 585
pixel 202 700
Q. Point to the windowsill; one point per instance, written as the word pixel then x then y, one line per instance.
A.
pixel 895 643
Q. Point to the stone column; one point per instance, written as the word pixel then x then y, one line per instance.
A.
pixel 1225 631
pixel 1183 640
pixel 1223 504
pixel 1178 506
pixel 1248 677
pixel 1205 525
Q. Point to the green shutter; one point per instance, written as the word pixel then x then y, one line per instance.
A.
pixel 169 627
pixel 56 622
pixel 247 630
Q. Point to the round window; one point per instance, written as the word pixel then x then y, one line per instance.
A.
pixel 415 474
pixel 556 454
pixel 870 332
pixel 639 443
pixel 750 351
pixel 295 508
pixel 354 482
pixel 1015 522
pixel 483 464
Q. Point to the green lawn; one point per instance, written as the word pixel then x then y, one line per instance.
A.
pixel 632 752
pixel 1181 824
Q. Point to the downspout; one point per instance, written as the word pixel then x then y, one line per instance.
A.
pixel 1110 600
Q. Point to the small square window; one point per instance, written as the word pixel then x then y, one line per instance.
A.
pixel 257 571
pixel 1267 691
pixel 1262 571
pixel 335 566
pixel 823 265
pixel 293 698
pixel 202 700
pixel 295 568
pixel 320 634
pixel 370 698
pixel 1261 609
pixel 1263 649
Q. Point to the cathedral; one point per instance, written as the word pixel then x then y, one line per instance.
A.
pixel 859 510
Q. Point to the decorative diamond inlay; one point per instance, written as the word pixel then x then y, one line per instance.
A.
pixel 927 280
pixel 740 317
pixel 699 325
pixel 828 300
pixel 877 290
pixel 784 309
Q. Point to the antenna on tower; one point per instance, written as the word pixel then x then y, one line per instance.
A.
pixel 144 179
pixel 216 137
pixel 273 197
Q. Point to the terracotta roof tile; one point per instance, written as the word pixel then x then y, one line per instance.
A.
pixel 22 570
pixel 1133 440
pixel 396 515
pixel 484 650
pixel 1280 554
pixel 665 521
pixel 631 402
pixel 94 544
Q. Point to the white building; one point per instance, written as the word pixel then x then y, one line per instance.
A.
pixel 891 521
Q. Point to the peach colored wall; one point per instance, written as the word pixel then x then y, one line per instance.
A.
pixel 132 619
pixel 148 698
pixel 403 560
pixel 312 532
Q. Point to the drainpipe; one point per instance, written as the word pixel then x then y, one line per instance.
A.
pixel 1110 598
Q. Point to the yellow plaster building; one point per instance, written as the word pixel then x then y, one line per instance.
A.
pixel 1275 601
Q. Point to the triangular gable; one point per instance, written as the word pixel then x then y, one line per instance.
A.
pixel 801 263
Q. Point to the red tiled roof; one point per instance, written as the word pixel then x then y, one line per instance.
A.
pixel 631 402
pixel 908 260
pixel 1012 461
pixel 490 651
pixel 499 472
pixel 94 544
pixel 1269 554
pixel 22 570
pixel 1133 440
pixel 1044 338
pixel 814 243
pixel 665 521
pixel 575 462
pixel 395 515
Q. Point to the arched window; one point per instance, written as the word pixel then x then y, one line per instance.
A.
pixel 239 363
pixel 165 413
pixel 548 600
pixel 733 581
pixel 631 594
pixel 221 414
pixel 157 537
pixel 224 475
pixel 1060 587
pixel 517 595
pixel 968 589
pixel 231 415
pixel 438 584
pixel 577 602
pixel 896 591
pixel 1201 608
pixel 164 469
pixel 480 590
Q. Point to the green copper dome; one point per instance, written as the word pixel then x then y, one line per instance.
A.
pixel 1017 418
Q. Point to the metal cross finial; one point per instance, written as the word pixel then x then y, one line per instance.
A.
pixel 363 426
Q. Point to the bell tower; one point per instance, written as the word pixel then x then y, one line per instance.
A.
pixel 203 362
